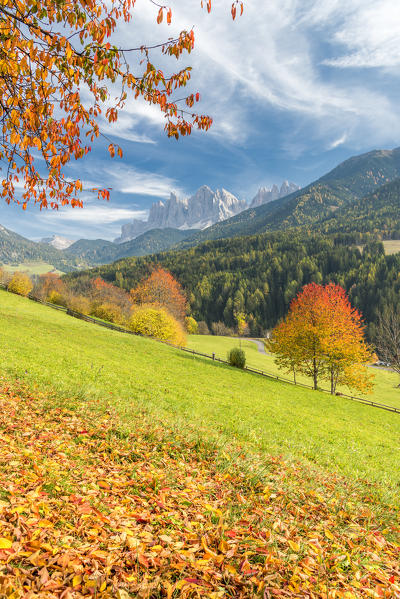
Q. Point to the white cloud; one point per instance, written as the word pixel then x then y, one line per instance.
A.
pixel 96 215
pixel 124 128
pixel 271 58
pixel 129 180
pixel 338 142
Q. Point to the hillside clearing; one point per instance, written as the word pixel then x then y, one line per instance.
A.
pixel 196 396
pixel 32 268
pixel 392 246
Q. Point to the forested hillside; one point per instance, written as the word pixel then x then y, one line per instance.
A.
pixel 260 275
pixel 100 251
pixel 15 249
pixel 377 214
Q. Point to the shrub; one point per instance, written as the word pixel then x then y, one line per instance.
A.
pixel 79 303
pixel 55 297
pixel 20 283
pixel 202 328
pixel 107 311
pixel 156 322
pixel 237 357
pixel 191 325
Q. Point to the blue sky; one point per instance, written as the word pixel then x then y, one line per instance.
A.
pixel 294 87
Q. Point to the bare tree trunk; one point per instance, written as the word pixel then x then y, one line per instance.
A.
pixel 315 374
pixel 294 375
pixel 333 386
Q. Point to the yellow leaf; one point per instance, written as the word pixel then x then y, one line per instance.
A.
pixel 328 534
pixel 45 524
pixel 294 546
pixel 77 579
pixel 5 543
pixel 207 550
pixel 132 542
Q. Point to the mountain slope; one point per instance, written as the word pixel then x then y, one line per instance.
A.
pixel 199 211
pixel 349 181
pixel 15 249
pixel 378 213
pixel 100 251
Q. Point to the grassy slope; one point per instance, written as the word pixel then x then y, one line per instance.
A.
pixel 392 246
pixel 33 268
pixel 385 382
pixel 195 396
pixel 88 511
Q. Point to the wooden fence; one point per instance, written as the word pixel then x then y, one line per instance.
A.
pixel 212 357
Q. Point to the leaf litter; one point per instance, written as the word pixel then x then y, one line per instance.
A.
pixel 86 511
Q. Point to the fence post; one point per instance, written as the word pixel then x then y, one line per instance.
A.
pixel 213 356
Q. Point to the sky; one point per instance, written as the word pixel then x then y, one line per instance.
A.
pixel 294 88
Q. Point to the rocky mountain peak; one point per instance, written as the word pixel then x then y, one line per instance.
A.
pixel 58 242
pixel 265 194
pixel 199 211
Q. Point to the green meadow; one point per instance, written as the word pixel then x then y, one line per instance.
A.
pixel 198 397
pixel 386 382
pixel 32 268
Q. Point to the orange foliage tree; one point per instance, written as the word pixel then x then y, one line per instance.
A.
pixel 161 289
pixel 51 53
pixel 108 301
pixel 50 287
pixel 323 337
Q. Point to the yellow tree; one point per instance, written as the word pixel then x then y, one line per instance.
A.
pixel 58 61
pixel 20 283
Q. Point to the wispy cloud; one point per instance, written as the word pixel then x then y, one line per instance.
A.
pixel 128 180
pixel 96 215
pixel 338 142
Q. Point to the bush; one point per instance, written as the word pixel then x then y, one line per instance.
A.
pixel 202 328
pixel 20 283
pixel 79 303
pixel 56 298
pixel 153 321
pixel 107 311
pixel 191 325
pixel 237 357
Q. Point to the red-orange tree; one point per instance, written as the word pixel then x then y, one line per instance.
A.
pixel 323 337
pixel 161 289
pixel 51 53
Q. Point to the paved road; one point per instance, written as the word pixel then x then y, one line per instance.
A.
pixel 260 345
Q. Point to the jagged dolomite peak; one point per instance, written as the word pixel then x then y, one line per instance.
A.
pixel 58 242
pixel 265 195
pixel 201 210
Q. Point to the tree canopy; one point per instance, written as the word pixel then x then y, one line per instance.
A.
pixel 58 64
pixel 323 337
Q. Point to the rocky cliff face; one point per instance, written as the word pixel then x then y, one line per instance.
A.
pixel 201 210
pixel 265 195
pixel 58 242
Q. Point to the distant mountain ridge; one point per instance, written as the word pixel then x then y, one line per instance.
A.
pixel 100 251
pixel 199 211
pixel 15 249
pixel 58 242
pixel 349 181
pixel 360 186
pixel 266 194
